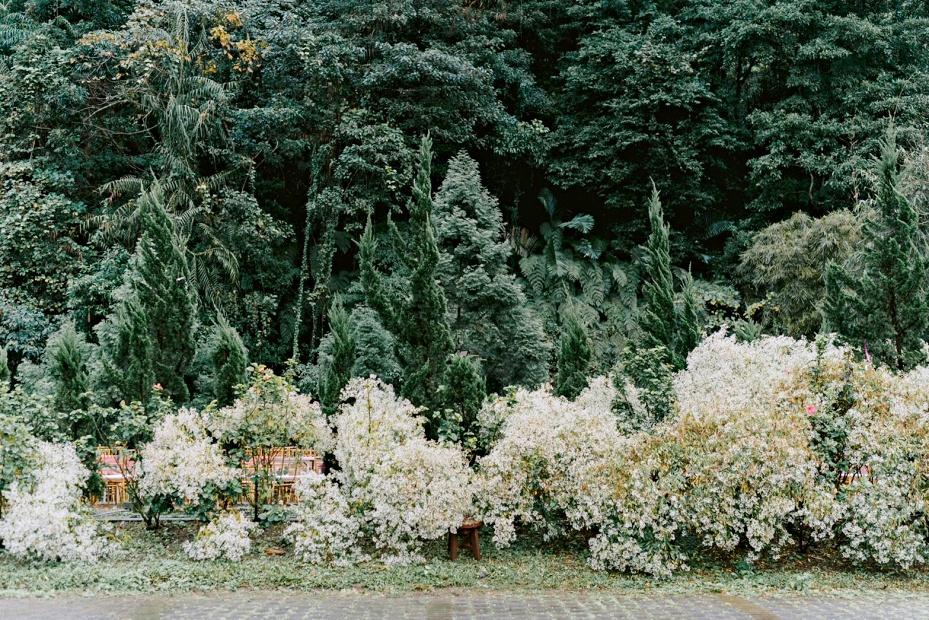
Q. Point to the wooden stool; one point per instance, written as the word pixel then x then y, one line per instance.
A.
pixel 470 530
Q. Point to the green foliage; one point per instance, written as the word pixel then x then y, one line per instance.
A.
pixel 276 127
pixel 487 306
pixel 416 315
pixel 339 359
pixel 645 390
pixel 16 446
pixel 461 396
pixel 228 361
pixel 786 265
pixel 884 307
pixel 574 358
pixel 374 347
pixel 66 364
pixel 127 353
pixel 664 325
pixel 565 266
pixel 151 337
pixel 5 374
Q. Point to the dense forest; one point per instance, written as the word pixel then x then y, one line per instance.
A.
pixel 456 196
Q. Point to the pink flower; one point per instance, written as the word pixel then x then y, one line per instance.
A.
pixel 811 410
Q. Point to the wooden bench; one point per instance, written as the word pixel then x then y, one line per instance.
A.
pixel 470 532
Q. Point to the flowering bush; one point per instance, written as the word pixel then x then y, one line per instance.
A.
pixel 728 377
pixel 734 468
pixel 45 520
pixel 324 531
pixel 270 413
pixel 552 465
pixel 225 536
pixel 405 487
pixel 182 460
pixel 266 417
pixel 750 481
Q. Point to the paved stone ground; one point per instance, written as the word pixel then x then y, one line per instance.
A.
pixel 466 605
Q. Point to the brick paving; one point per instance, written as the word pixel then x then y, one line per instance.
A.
pixel 466 605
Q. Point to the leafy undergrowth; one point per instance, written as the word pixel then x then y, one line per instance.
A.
pixel 154 562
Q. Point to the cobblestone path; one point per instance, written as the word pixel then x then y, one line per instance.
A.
pixel 466 605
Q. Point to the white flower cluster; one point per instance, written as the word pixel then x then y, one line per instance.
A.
pixel 45 520
pixel 887 494
pixel 226 536
pixel 724 375
pixel 271 413
pixel 324 531
pixel 553 463
pixel 732 469
pixel 405 487
pixel 182 459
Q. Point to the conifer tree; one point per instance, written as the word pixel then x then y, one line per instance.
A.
pixel 885 305
pixel 574 358
pixel 375 347
pixel 416 311
pixel 153 331
pixel 128 352
pixel 461 396
pixel 229 361
pixel 662 324
pixel 66 363
pixel 489 313
pixel 339 359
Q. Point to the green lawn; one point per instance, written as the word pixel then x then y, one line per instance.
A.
pixel 154 562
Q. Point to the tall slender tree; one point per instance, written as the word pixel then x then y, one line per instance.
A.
pixel 338 359
pixel 229 361
pixel 662 322
pixel 154 327
pixel 416 311
pixel 66 362
pixel 885 305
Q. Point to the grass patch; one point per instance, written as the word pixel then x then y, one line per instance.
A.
pixel 154 562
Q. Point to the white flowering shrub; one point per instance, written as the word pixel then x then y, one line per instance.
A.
pixel 226 536
pixel 323 531
pixel 44 519
pixel 553 462
pixel 724 375
pixel 733 469
pixel 182 459
pixel 404 488
pixel 270 413
pixel 421 490
pixel 885 457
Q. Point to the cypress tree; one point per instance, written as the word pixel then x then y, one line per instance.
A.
pixel 885 305
pixel 657 319
pixel 128 352
pixel 662 323
pixel 488 308
pixel 416 311
pixel 374 346
pixel 229 361
pixel 152 331
pixel 66 364
pixel 574 358
pixel 338 359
